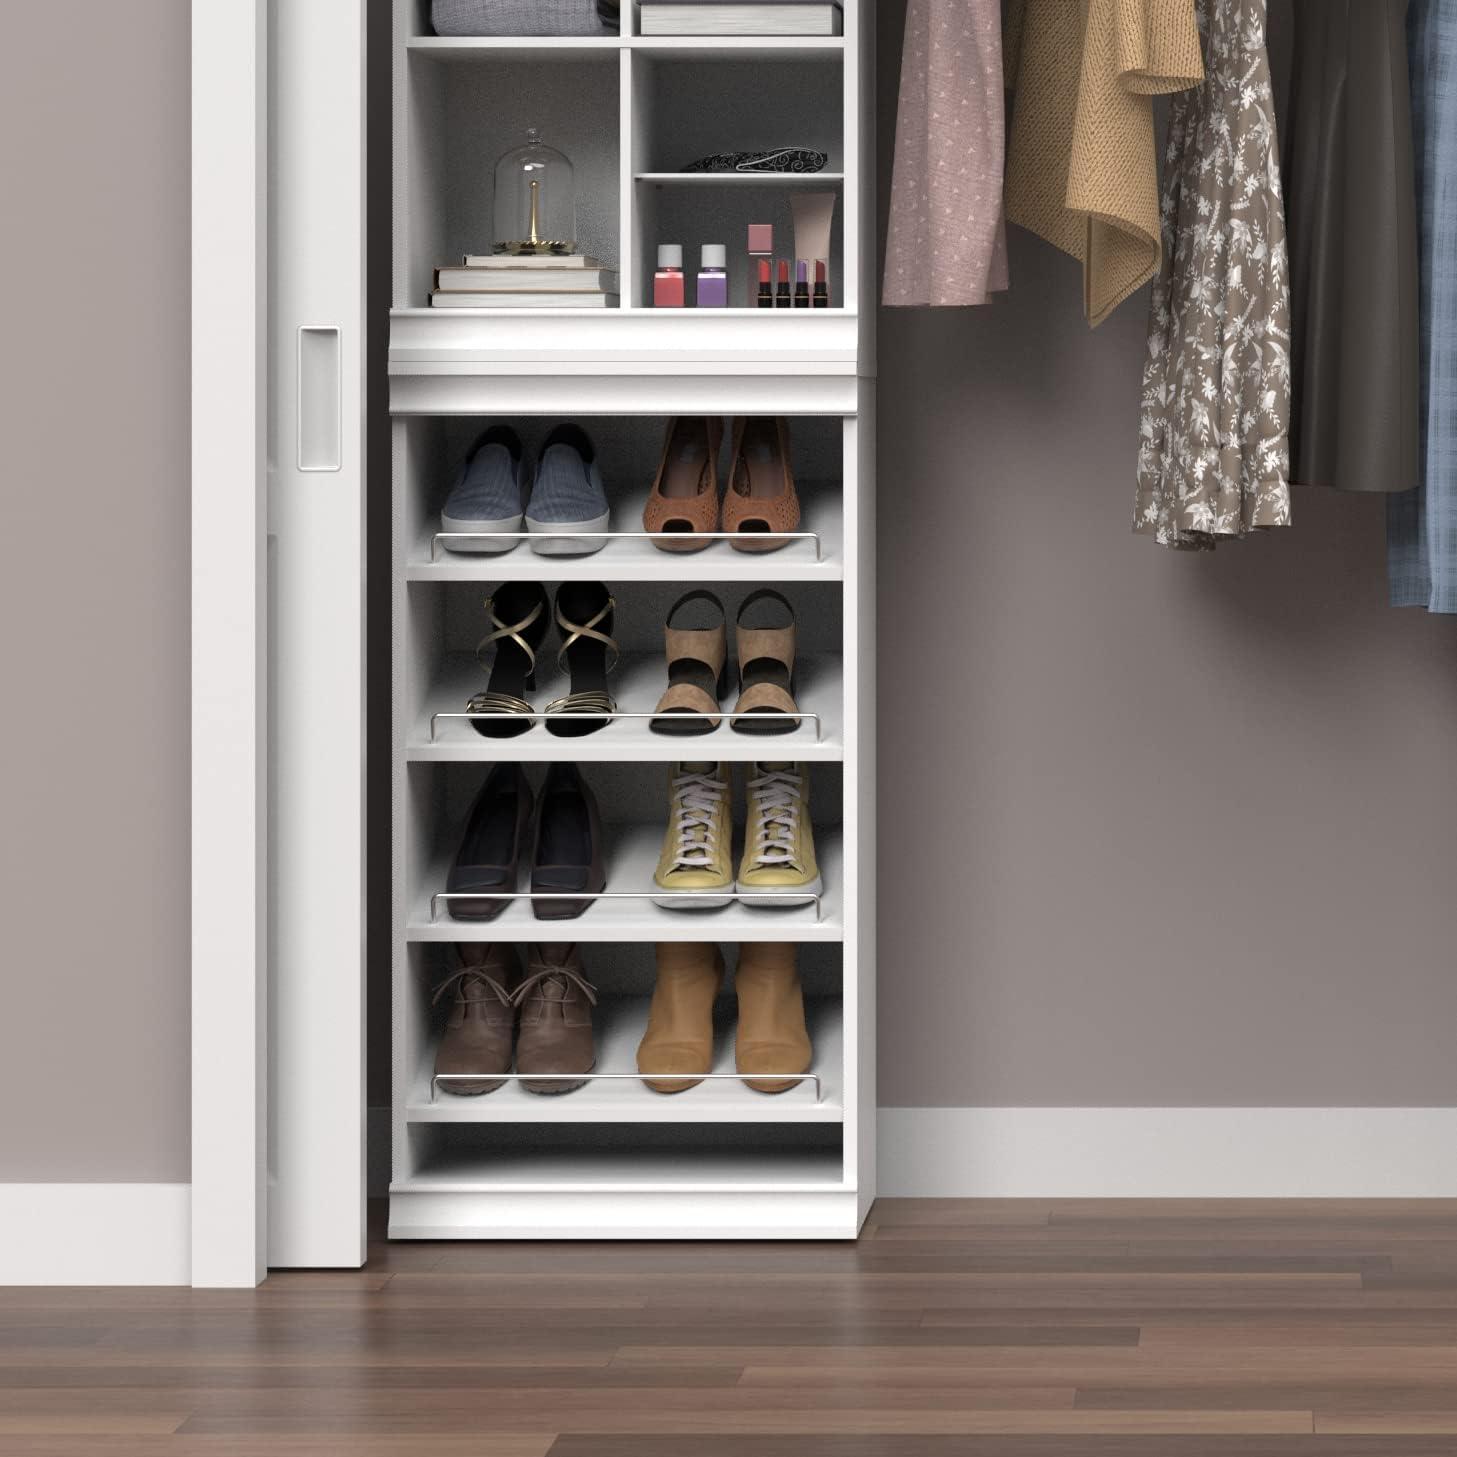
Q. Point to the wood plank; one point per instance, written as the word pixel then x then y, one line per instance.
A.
pixel 850 1421
pixel 1387 1424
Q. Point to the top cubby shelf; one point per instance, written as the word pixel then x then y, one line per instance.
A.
pixel 630 112
pixel 556 48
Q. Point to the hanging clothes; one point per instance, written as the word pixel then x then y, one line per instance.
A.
pixel 1213 447
pixel 1082 166
pixel 1343 110
pixel 1422 524
pixel 947 243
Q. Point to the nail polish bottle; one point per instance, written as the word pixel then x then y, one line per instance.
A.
pixel 765 299
pixel 761 248
pixel 821 298
pixel 668 280
pixel 782 297
pixel 712 277
pixel 801 284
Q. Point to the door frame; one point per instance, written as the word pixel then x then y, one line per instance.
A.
pixel 257 506
pixel 229 886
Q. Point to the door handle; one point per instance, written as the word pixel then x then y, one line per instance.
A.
pixel 320 403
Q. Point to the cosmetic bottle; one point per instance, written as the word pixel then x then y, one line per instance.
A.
pixel 712 277
pixel 822 284
pixel 761 249
pixel 801 284
pixel 782 297
pixel 765 299
pixel 668 280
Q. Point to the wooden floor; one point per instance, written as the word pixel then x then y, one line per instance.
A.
pixel 952 1329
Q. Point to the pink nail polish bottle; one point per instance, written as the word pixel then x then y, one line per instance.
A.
pixel 668 280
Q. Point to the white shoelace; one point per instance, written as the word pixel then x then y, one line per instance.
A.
pixel 697 798
pixel 778 797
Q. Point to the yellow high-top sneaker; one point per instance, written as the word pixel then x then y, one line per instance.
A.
pixel 697 854
pixel 779 847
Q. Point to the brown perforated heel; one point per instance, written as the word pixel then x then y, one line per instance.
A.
pixel 761 499
pixel 684 498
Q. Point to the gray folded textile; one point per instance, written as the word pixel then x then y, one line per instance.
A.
pixel 517 17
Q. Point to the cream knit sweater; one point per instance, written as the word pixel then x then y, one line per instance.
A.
pixel 1081 165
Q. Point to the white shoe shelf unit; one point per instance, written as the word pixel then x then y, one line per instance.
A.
pixel 615 1159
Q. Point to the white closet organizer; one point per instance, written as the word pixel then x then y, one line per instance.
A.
pixel 615 1159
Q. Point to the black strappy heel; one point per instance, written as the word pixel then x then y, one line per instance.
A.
pixel 518 614
pixel 584 613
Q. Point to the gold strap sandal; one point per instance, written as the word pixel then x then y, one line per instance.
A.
pixel 518 617
pixel 584 613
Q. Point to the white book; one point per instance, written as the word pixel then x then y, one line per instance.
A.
pixel 543 260
pixel 681 17
pixel 487 280
pixel 534 299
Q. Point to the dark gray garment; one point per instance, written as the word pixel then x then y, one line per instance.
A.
pixel 1343 109
pixel 517 17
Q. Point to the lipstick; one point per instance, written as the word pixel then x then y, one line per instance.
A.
pixel 822 284
pixel 765 299
pixel 801 284
pixel 761 251
pixel 782 298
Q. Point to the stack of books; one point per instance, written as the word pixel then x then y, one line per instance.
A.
pixel 741 17
pixel 503 281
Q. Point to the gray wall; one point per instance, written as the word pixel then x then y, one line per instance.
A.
pixel 1155 828
pixel 1199 850
pixel 94 596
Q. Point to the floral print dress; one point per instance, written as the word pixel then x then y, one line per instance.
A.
pixel 1213 457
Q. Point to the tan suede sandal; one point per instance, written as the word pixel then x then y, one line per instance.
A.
pixel 766 665
pixel 697 668
pixel 760 499
pixel 684 498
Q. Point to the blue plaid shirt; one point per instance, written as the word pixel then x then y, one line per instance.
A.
pixel 1422 524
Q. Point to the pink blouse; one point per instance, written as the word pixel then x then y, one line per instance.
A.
pixel 947 240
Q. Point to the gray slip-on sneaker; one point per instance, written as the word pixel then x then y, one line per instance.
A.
pixel 567 496
pixel 489 488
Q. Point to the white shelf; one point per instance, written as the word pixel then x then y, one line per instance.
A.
pixel 622 344
pixel 620 1023
pixel 632 857
pixel 632 559
pixel 741 179
pixel 515 47
pixel 576 48
pixel 737 47
pixel 637 685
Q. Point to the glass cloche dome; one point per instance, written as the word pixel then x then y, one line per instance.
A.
pixel 536 200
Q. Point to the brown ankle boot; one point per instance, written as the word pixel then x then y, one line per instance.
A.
pixel 679 1036
pixel 555 1035
pixel 481 1022
pixel 772 1036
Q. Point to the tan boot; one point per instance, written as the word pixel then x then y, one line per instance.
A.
pixel 772 1036
pixel 679 1036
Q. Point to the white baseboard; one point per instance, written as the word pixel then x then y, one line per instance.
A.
pixel 95 1234
pixel 1133 1153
